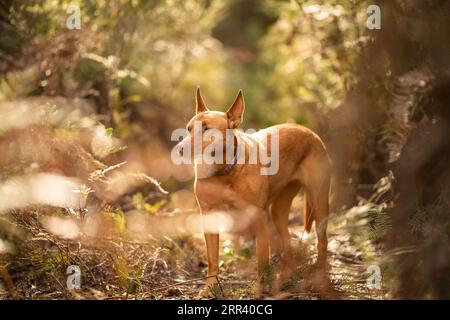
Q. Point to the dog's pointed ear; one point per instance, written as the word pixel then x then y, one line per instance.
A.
pixel 200 105
pixel 236 111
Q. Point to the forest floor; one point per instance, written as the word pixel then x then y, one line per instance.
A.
pixel 346 276
pixel 175 268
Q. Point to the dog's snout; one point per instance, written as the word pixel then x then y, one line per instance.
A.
pixel 179 149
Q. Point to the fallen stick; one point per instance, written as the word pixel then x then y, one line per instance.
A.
pixel 190 281
pixel 9 283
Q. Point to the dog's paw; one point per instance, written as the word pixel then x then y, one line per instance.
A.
pixel 205 293
pixel 262 290
pixel 287 271
pixel 210 291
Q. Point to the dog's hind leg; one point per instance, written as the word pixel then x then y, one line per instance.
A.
pixel 261 230
pixel 315 176
pixel 321 211
pixel 280 217
pixel 317 209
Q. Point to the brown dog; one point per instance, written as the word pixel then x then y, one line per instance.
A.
pixel 241 190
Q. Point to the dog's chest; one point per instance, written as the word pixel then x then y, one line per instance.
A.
pixel 222 193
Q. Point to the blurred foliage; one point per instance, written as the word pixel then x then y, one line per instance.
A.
pixel 299 57
pixel 100 103
pixel 308 57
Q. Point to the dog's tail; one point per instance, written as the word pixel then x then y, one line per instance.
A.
pixel 307 214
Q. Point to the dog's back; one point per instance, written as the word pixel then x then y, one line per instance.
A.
pixel 297 145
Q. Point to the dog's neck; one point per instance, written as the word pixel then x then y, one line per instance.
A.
pixel 204 171
pixel 229 167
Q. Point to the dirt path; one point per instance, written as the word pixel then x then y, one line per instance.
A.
pixel 346 277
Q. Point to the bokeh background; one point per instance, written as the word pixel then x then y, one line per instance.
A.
pixel 86 117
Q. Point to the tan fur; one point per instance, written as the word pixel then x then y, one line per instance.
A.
pixel 248 196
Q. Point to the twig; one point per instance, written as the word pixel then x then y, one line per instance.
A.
pixel 9 283
pixel 186 282
pixel 220 285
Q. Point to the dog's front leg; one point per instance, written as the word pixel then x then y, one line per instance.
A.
pixel 212 252
pixel 212 255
